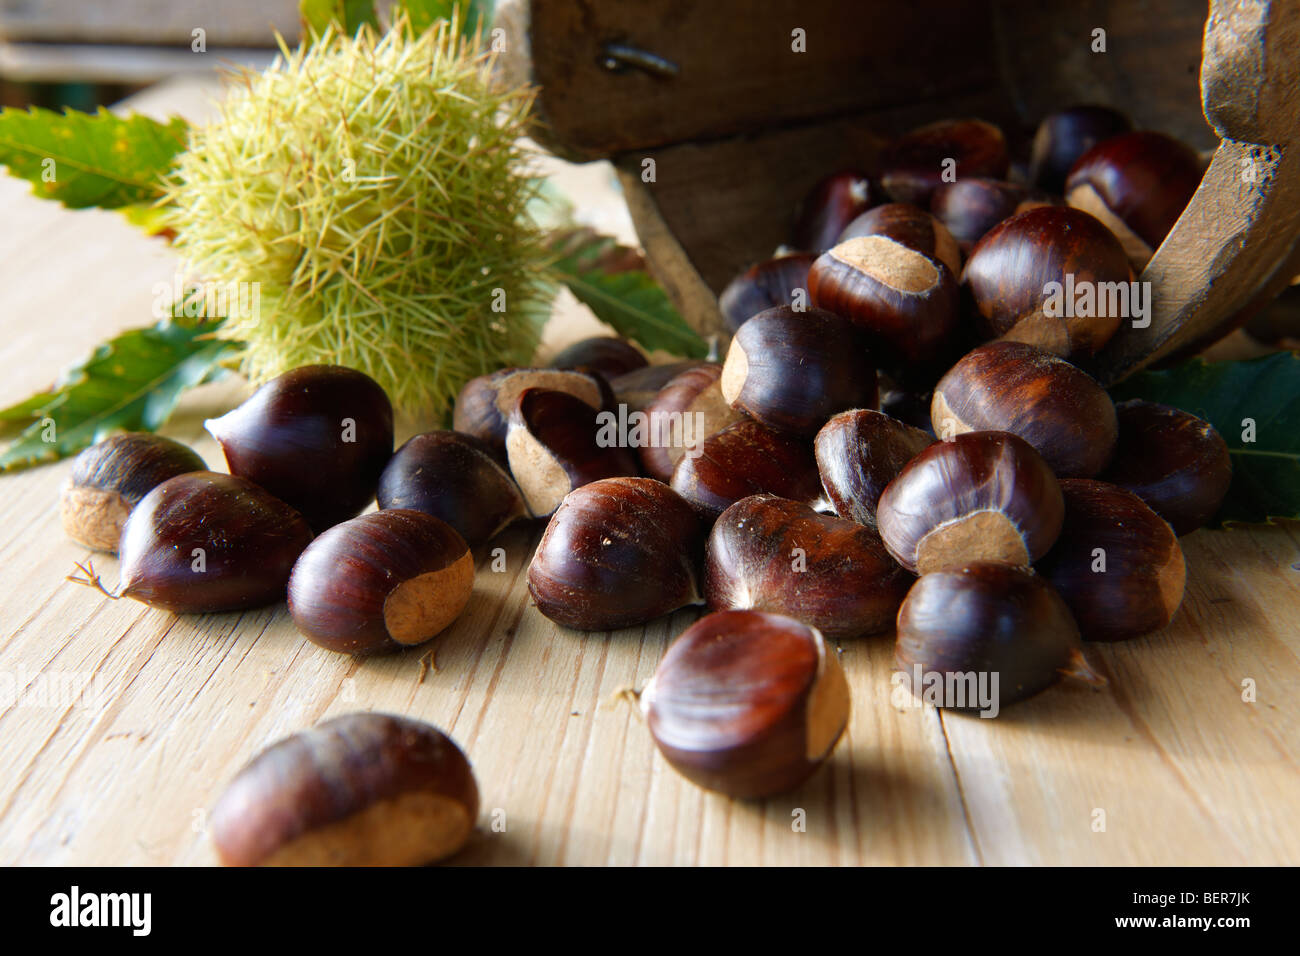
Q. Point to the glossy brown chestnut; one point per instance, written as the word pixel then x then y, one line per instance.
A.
pixel 109 478
pixel 557 443
pixel 1138 184
pixel 905 301
pixel 916 163
pixel 769 554
pixel 913 227
pixel 747 704
pixel 1017 388
pixel 381 582
pixel 1117 563
pixel 607 355
pixel 686 411
pixel 969 208
pixel 1175 462
pixel 982 496
pixel 316 437
pixel 860 452
pixel 831 205
pixel 747 458
pixel 1054 277
pixel 203 542
pixel 456 478
pixel 1062 137
pixel 357 790
pixel 484 404
pixel 782 280
pixel 617 553
pixel 793 370
pixel 982 636
pixel 638 389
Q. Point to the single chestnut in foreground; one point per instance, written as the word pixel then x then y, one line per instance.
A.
pixel 747 704
pixel 381 582
pixel 557 443
pixel 607 355
pixel 747 458
pixel 982 496
pixel 357 790
pixel 1053 277
pixel 985 635
pixel 686 411
pixel 484 404
pixel 1175 462
pixel 316 437
pixel 858 454
pixel 109 478
pixel 617 552
pixel 905 301
pixel 203 542
pixel 769 554
pixel 1138 184
pixel 1117 563
pixel 456 478
pixel 1062 137
pixel 1017 388
pixel 793 370
pixel 913 166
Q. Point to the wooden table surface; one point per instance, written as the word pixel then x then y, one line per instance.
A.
pixel 1168 765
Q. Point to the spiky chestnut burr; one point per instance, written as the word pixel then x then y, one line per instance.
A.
pixel 371 187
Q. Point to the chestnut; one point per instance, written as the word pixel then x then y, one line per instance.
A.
pixel 915 164
pixel 905 301
pixel 109 478
pixel 617 553
pixel 969 208
pixel 607 355
pixel 913 227
pixel 793 370
pixel 1117 563
pixel 769 554
pixel 1054 277
pixel 830 206
pixel 1062 137
pixel 316 437
pixel 985 635
pixel 484 404
pixel 357 790
pixel 456 478
pixel 772 282
pixel 638 389
pixel 381 582
pixel 557 443
pixel 982 496
pixel 858 454
pixel 747 458
pixel 1138 184
pixel 686 411
pixel 1017 388
pixel 204 541
pixel 747 704
pixel 1175 462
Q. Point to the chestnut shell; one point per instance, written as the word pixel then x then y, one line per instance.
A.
pixel 764 285
pixel 858 454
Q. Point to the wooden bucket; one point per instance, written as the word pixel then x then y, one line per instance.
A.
pixel 740 126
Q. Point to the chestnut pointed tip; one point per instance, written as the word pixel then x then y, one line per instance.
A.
pixel 1079 669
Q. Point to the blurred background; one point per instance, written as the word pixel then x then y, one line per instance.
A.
pixel 87 53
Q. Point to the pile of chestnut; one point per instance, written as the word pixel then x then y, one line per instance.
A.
pixel 900 436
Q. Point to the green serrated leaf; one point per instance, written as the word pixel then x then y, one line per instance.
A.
pixel 611 281
pixel 130 383
pixel 90 159
pixel 1230 395
pixel 346 15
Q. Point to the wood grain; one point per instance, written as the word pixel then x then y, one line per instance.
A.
pixel 1185 770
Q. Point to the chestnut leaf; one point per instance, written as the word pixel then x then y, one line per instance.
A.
pixel 90 159
pixel 612 281
pixel 130 383
pixel 1255 405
